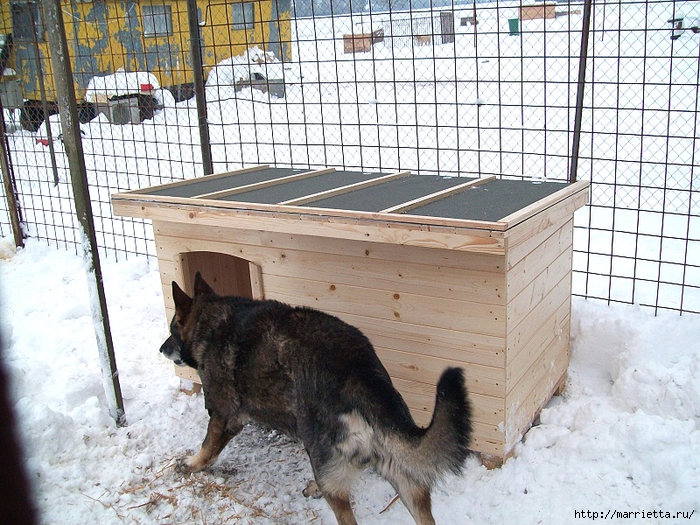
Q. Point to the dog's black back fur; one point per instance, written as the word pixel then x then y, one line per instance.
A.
pixel 313 376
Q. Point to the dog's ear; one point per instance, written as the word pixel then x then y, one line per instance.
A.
pixel 183 303
pixel 201 287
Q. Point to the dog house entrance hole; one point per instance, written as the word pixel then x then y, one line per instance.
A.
pixel 226 274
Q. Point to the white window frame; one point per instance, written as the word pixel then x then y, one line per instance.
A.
pixel 243 16
pixel 157 20
pixel 22 12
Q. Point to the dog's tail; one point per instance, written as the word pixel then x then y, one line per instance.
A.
pixel 442 447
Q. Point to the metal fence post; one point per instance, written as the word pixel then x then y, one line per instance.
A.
pixel 583 59
pixel 199 93
pixel 74 149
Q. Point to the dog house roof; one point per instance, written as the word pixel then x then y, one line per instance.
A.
pixel 344 198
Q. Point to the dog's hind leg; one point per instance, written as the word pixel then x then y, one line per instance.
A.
pixel 335 479
pixel 416 498
pixel 218 435
pixel 340 504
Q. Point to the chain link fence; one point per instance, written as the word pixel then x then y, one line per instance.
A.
pixel 468 89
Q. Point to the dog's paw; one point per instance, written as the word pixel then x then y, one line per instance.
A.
pixel 312 491
pixel 187 465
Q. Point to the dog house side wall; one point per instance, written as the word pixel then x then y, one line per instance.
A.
pixel 538 325
pixel 539 261
pixel 424 309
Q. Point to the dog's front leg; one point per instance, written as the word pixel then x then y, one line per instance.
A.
pixel 218 434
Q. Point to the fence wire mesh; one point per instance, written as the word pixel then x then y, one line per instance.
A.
pixel 455 89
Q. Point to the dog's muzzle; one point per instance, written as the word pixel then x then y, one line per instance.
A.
pixel 171 349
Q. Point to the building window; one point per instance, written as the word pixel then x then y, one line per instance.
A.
pixel 157 20
pixel 28 22
pixel 243 15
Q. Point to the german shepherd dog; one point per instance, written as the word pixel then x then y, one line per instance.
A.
pixel 317 379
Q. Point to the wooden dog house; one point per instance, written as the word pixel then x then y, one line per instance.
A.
pixel 436 271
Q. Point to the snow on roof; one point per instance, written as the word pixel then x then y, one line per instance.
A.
pixel 119 84
pixel 254 64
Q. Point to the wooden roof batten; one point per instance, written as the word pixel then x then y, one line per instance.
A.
pixel 265 184
pixel 345 189
pixel 427 199
pixel 187 182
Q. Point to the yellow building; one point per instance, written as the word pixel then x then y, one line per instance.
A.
pixel 149 35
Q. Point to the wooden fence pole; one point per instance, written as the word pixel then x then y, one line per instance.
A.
pixel 70 127
pixel 8 181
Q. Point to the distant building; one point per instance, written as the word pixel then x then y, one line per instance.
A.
pixel 137 36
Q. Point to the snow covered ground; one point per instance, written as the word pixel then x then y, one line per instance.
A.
pixel 624 437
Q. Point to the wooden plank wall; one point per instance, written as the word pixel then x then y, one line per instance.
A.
pixel 424 309
pixel 538 327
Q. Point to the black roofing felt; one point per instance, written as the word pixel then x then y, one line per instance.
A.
pixel 391 193
pixel 489 202
pixel 301 188
pixel 205 185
